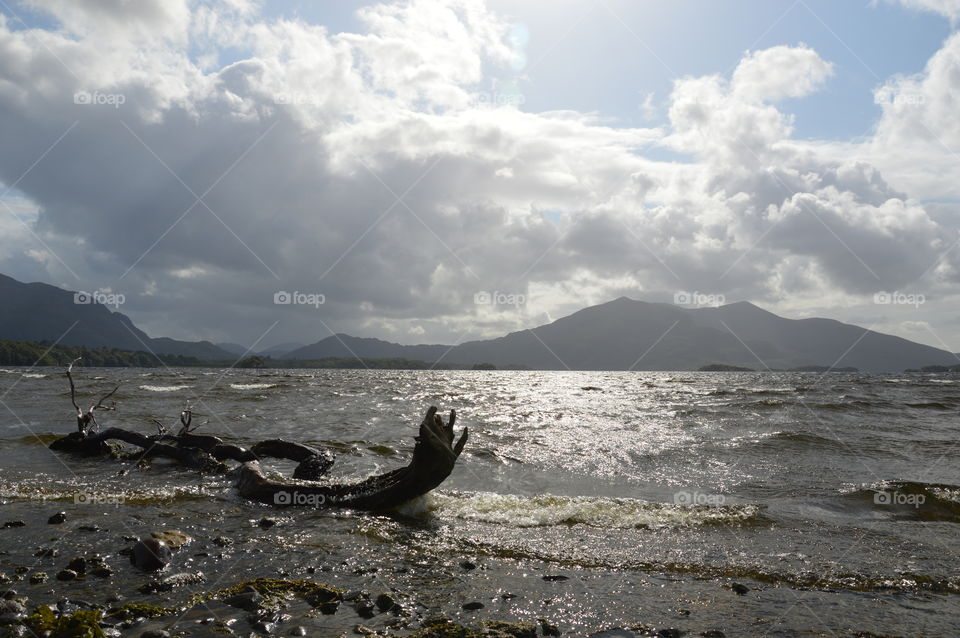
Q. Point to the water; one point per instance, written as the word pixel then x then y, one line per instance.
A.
pixel 834 498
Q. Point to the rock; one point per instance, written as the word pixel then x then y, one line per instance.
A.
pixel 38 578
pixel 150 555
pixel 713 633
pixel 249 600
pixel 89 528
pixel 155 633
pixel 507 596
pixel 385 602
pixel 548 628
pixel 299 630
pixel 555 578
pixel 355 594
pixel 670 632
pixel 468 565
pixel 502 629
pixel 67 575
pixel 739 590
pixel 365 608
pixel 12 607
pixel 174 538
pixel 103 572
pixel 57 518
pixel 8 594
pixel 363 630
pixel 14 524
pixel 264 627
pixel 78 564
pixel 267 523
pixel 47 552
pixel 472 606
pixel 4 579
pixel 222 541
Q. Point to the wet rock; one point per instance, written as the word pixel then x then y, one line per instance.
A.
pixel 89 528
pixel 355 594
pixel 507 596
pixel 57 518
pixel 174 538
pixel 47 552
pixel 14 524
pixel 67 575
pixel 38 578
pixel 267 523
pixel 670 632
pixel 8 594
pixel 4 579
pixel 468 564
pixel 363 630
pixel 104 571
pixel 222 541
pixel 155 633
pixel 248 600
pixel 171 582
pixel 78 564
pixel 473 606
pixel 713 633
pixel 385 602
pixel 555 578
pixel 150 555
pixel 547 628
pixel 299 630
pixel 739 589
pixel 365 608
pixel 12 607
pixel 264 627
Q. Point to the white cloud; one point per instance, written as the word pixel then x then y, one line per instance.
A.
pixel 302 148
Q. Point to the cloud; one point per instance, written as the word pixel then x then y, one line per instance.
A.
pixel 948 8
pixel 373 168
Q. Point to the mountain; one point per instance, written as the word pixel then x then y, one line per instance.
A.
pixel 280 350
pixel 626 334
pixel 233 348
pixel 40 312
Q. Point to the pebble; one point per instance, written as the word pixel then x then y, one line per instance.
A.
pixel 38 578
pixel 554 578
pixel 174 538
pixel 103 572
pixel 66 575
pixel 150 555
pixel 365 609
pixel 473 606
pixel 385 602
pixel 468 564
pixel 78 564
pixel 14 524
pixel 222 541
pixel 267 523
pixel 363 630
pixel 57 518
pixel 739 589
pixel 299 630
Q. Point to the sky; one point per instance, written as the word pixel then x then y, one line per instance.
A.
pixel 435 171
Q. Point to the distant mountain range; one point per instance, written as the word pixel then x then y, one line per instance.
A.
pixel 40 312
pixel 624 334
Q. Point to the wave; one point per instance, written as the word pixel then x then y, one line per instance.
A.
pixel 909 500
pixel 549 510
pixel 165 388
pixel 253 386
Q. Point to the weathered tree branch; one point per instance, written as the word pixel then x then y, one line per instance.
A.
pixel 434 457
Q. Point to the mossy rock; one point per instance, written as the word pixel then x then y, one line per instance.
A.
pixel 276 590
pixel 79 624
pixel 129 611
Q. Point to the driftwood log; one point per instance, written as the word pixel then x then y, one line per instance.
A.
pixel 433 460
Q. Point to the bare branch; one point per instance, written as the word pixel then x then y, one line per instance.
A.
pixel 73 390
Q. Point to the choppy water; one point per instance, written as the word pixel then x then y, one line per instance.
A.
pixel 835 498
